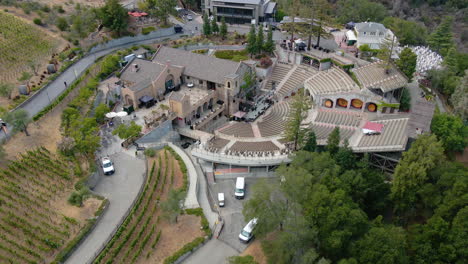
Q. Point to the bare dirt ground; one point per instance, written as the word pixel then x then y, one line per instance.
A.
pixel 255 250
pixel 87 211
pixel 174 237
pixel 44 132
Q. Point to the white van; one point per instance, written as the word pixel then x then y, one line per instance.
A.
pixel 246 233
pixel 221 199
pixel 240 188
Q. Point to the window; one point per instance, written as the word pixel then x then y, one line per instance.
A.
pixel 236 83
pixel 364 33
pixel 229 84
pixel 372 33
pixel 188 77
pixel 381 34
pixel 201 82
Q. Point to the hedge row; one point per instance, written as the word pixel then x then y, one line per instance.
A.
pixel 187 248
pixel 65 253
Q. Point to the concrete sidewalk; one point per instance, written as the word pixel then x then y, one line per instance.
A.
pixel 202 193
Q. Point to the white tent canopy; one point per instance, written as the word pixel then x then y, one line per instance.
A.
pixel 350 35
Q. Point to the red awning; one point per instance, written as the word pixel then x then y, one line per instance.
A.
pixel 373 126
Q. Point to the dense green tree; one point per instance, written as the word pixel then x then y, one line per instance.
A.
pixel 386 51
pixel 450 130
pixel 411 174
pixel 268 205
pixel 206 25
pixel 441 40
pixel 299 108
pixel 214 26
pixel 114 16
pixel 18 119
pixel 407 62
pixel 159 8
pixel 259 41
pixel 269 45
pixel 223 29
pixel 459 98
pixel 172 207
pixel 405 100
pixel 345 156
pixel 127 131
pixel 360 10
pixel 252 41
pixel 69 114
pixel 6 89
pixel 100 112
pixel 310 142
pixel 85 133
pixel 333 141
pixel 443 80
pixel 451 60
pixel 407 32
pixel 382 244
pixel 337 218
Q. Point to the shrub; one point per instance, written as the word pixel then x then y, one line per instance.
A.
pixel 187 248
pixel 61 24
pixel 265 62
pixel 147 30
pixel 37 21
pixel 150 152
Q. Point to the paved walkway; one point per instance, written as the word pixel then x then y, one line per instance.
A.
pixel 121 189
pixel 202 193
pixel 191 200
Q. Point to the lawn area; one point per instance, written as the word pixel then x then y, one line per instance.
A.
pixel 22 45
pixel 146 236
pixel 234 55
pixel 36 222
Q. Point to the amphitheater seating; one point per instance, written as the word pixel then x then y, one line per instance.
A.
pixel 218 143
pixel 338 118
pixel 331 81
pixel 274 123
pixel 393 134
pixel 238 129
pixel 277 75
pixel 322 131
pixel 373 76
pixel 297 78
pixel 240 146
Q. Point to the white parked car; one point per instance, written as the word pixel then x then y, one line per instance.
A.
pixel 107 166
pixel 189 17
pixel 190 85
pixel 247 232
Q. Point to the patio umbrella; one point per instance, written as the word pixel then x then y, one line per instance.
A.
pixel 111 114
pixel 143 13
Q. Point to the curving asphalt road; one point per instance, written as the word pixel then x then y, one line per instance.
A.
pixel 45 96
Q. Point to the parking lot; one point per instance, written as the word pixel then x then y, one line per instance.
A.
pixel 232 210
